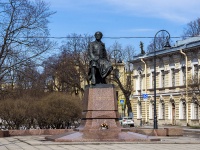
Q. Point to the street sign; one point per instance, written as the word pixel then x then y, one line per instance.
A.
pixel 121 101
pixel 145 97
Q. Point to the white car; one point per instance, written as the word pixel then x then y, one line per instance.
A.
pixel 127 121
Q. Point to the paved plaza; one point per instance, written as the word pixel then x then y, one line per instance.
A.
pixel 39 143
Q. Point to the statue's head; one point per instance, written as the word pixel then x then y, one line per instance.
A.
pixel 98 35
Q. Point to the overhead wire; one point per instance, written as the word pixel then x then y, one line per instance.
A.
pixel 120 37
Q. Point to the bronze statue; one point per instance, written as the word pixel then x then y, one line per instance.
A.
pixel 99 65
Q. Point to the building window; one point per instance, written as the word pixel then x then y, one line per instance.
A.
pixel 152 79
pixel 194 109
pixel 137 87
pixel 139 110
pixel 162 79
pixel 182 109
pixel 196 70
pixel 171 110
pixel 173 77
pixel 128 81
pixel 183 75
pixel 195 73
pixel 161 110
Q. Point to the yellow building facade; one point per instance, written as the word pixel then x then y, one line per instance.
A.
pixel 176 102
pixel 120 70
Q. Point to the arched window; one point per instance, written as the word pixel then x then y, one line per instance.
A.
pixel 194 108
pixel 139 109
pixel 161 109
pixel 182 109
pixel 171 107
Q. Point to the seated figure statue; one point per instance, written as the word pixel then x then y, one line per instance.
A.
pixel 99 65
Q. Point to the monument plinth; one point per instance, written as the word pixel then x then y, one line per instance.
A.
pixel 100 108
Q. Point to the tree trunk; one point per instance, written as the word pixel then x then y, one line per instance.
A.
pixel 128 103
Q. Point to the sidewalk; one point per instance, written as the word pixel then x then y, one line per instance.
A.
pixel 39 143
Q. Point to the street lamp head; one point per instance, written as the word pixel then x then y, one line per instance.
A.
pixel 140 69
pixel 167 45
pixel 119 61
pixel 116 56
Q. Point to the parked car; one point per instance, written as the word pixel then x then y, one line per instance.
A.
pixel 127 121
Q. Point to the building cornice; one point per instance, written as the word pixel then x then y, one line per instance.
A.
pixel 186 48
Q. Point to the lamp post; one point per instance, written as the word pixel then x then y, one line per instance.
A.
pixel 167 45
pixel 140 74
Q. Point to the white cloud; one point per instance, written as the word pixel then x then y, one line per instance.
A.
pixel 125 16
pixel 181 11
pixel 175 17
pixel 73 4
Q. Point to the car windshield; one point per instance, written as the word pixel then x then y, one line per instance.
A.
pixel 127 118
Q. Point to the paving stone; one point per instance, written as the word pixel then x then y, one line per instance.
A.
pixel 38 143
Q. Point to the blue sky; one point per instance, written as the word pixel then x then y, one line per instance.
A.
pixel 122 18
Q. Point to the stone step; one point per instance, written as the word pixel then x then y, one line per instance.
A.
pixel 191 133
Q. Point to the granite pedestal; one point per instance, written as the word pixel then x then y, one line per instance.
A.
pixel 100 107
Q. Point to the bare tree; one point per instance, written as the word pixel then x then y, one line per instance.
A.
pixel 23 32
pixel 64 72
pixel 192 29
pixel 77 45
pixel 117 54
pixel 24 79
pixel 50 66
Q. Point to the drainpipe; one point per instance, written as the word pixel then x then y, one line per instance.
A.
pixel 145 85
pixel 186 76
